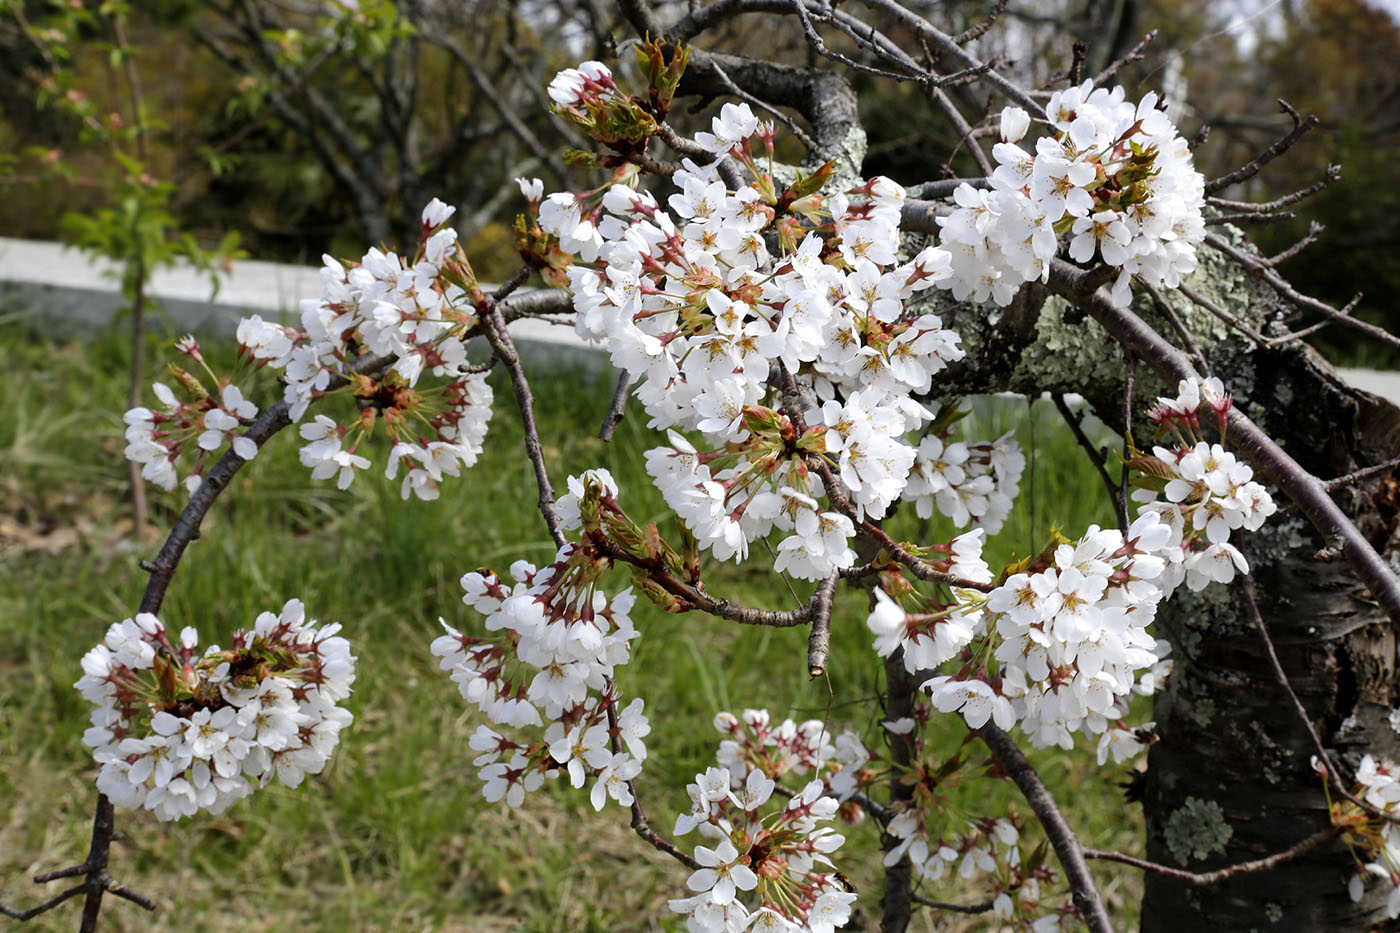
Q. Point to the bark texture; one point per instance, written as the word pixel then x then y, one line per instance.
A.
pixel 1230 778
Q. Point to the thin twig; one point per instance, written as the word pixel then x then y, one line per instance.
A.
pixel 1252 167
pixel 1314 231
pixel 618 406
pixel 1129 374
pixel 1199 879
pixel 1360 474
pixel 1134 54
pixel 1090 450
pixel 815 40
pixel 499 338
pixel 1332 173
pixel 981 908
pixel 1333 775
pixel 1215 309
pixel 1164 309
pixel 781 117
pixel 1275 281
pixel 978 30
pixel 50 904
pixel 1249 217
pixel 640 825
pixel 696 599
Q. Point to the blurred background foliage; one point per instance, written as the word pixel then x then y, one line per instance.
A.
pixel 318 126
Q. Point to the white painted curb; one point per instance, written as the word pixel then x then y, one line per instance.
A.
pixel 65 287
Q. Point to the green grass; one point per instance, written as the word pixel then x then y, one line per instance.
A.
pixel 395 834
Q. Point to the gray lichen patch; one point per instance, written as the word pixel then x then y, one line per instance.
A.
pixel 1197 830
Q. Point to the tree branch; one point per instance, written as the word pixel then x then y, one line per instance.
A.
pixel 1267 457
pixel 1200 879
pixel 1062 839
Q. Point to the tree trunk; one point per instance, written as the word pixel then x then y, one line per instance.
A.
pixel 1230 778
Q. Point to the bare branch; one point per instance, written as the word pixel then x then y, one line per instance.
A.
pixel 1179 326
pixel 1358 475
pixel 1134 55
pixel 1267 457
pixel 499 337
pixel 617 407
pixel 1282 145
pixel 1333 775
pixel 781 117
pixel 981 908
pixel 1314 231
pixel 932 34
pixel 1275 281
pixel 1226 316
pixel 1062 838
pixel 640 825
pixel 1249 217
pixel 1075 425
pixel 1200 879
pixel 978 30
pixel 1264 207
pixel 48 905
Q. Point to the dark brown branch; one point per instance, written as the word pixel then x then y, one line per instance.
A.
pixel 1360 474
pixel 696 599
pixel 1263 270
pixel 617 407
pixel 1092 452
pixel 640 825
pixel 981 908
pixel 1249 217
pixel 1333 775
pixel 1124 475
pixel 1282 145
pixel 1062 838
pixel 819 641
pixel 900 689
pixel 1266 207
pixel 48 905
pixel 498 336
pixel 1200 879
pixel 1266 456
pixel 1134 55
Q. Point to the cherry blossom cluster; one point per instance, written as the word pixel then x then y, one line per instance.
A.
pixel 1056 648
pixel 782 858
pixel 967 482
pixel 1377 840
pixel 988 849
pixel 706 301
pixel 1113 176
pixel 175 732
pixel 193 427
pixel 414 314
pixel 566 637
pixel 1209 492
